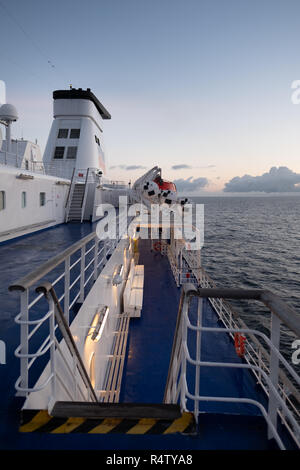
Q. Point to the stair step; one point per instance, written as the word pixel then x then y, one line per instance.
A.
pixel 65 409
pixel 104 418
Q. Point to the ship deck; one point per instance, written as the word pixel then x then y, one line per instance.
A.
pixel 226 426
pixel 151 338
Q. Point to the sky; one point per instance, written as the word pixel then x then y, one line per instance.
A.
pixel 201 88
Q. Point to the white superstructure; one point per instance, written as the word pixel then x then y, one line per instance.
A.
pixel 68 183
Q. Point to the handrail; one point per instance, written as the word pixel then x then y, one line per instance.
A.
pixel 83 202
pixel 187 290
pixel 29 280
pixel 176 385
pixel 271 300
pixel 277 306
pixel 47 289
pixel 91 255
pixel 69 192
pixel 227 308
pixel 70 195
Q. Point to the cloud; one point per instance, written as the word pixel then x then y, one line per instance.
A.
pixel 128 167
pixel 190 185
pixel 278 180
pixel 184 166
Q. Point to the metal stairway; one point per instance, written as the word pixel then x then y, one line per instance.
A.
pixel 75 207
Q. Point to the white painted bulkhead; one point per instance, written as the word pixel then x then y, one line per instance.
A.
pixel 29 202
pixel 22 154
pixel 95 354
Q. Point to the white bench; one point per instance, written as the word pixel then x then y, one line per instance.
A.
pixel 133 292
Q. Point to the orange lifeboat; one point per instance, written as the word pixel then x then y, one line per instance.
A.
pixel 165 185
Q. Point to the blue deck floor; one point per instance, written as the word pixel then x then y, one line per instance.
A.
pixel 146 368
pixel 17 258
pixel 150 344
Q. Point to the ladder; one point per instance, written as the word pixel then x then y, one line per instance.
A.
pixel 75 207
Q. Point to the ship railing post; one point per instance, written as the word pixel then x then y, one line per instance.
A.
pixel 67 289
pixel 82 268
pixel 274 371
pixel 24 341
pixel 105 242
pixel 230 319
pixel 96 258
pixel 198 356
pixel 260 365
pixel 183 355
pixel 52 353
pixel 221 309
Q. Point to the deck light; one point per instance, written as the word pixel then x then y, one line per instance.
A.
pixel 99 327
pixel 117 275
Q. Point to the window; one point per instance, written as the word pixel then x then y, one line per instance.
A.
pixel 97 140
pixel 71 152
pixel 63 133
pixel 2 200
pixel 75 134
pixel 23 199
pixel 42 199
pixel 59 152
pixel 26 165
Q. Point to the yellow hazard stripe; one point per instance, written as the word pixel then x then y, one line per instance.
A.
pixel 142 426
pixel 41 418
pixel 180 424
pixel 106 426
pixel 69 425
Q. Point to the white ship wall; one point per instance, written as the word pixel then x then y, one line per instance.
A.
pixel 23 153
pixel 16 220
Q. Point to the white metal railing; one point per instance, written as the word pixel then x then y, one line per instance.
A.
pixel 186 268
pixel 255 352
pixel 70 273
pixel 58 168
pixel 279 390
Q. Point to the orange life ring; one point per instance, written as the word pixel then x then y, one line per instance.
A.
pixel 239 344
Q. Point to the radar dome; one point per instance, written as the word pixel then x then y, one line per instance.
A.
pixel 8 112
